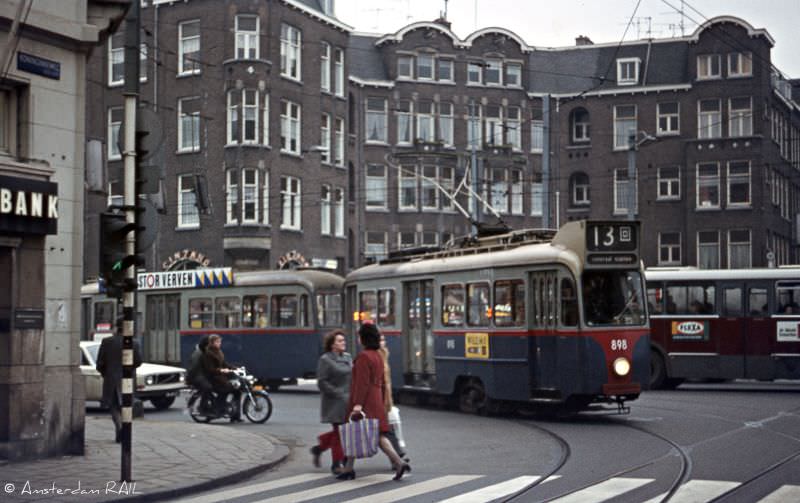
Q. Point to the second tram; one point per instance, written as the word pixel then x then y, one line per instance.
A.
pixel 527 317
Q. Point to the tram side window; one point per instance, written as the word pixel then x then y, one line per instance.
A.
pixel 255 309
pixel 201 313
pixel 788 293
pixel 329 309
pixel 453 305
pixel 368 306
pixel 304 308
pixel 386 315
pixel 103 315
pixel 478 302
pixel 732 302
pixel 509 303
pixel 227 312
pixel 284 311
pixel 757 302
pixel 569 303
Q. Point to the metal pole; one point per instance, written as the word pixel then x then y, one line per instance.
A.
pixel 631 199
pixel 546 161
pixel 131 94
pixel 475 126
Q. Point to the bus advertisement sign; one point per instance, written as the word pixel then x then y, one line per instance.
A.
pixel 788 331
pixel 476 345
pixel 689 330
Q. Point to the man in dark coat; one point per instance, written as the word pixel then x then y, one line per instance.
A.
pixel 109 364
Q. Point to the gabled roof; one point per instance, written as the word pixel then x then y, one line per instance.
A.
pixel 753 32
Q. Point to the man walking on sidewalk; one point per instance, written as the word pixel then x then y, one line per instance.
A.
pixel 109 364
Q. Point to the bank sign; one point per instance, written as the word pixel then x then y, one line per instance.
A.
pixel 28 206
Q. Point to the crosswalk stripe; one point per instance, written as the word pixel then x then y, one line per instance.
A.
pixel 783 494
pixel 493 492
pixel 604 490
pixel 328 489
pixel 238 492
pixel 408 491
pixel 697 491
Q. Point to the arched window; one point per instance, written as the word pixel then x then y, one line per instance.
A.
pixel 579 189
pixel 579 123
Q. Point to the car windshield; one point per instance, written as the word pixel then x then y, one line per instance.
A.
pixel 613 298
pixel 92 349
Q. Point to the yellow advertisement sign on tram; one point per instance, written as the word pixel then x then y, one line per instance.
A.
pixel 476 345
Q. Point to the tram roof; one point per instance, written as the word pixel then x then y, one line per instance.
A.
pixel 694 274
pixel 533 254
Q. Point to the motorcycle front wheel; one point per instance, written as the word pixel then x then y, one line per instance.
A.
pixel 259 409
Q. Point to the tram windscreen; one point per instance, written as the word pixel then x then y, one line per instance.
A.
pixel 613 298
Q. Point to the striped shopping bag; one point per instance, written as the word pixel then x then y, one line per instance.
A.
pixel 360 437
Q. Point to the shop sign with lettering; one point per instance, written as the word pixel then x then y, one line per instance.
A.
pixel 28 206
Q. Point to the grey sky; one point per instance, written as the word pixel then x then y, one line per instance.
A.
pixel 557 23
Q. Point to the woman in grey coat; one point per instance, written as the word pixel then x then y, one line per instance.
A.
pixel 333 379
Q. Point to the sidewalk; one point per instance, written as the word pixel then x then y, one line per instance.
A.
pixel 170 459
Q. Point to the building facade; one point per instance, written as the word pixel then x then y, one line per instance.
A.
pixel 427 136
pixel 42 114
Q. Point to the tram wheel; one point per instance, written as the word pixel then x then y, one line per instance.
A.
pixel 658 370
pixel 472 398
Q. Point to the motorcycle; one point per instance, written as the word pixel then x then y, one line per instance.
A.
pixel 255 402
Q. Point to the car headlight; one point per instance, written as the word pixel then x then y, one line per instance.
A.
pixel 622 366
pixel 181 377
pixel 149 380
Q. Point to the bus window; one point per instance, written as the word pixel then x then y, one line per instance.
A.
pixel 479 307
pixel 284 310
pixel 732 302
pixel 676 300
pixel 569 303
pixel 509 300
pixel 453 305
pixel 788 293
pixel 104 315
pixel 701 299
pixel 201 313
pixel 757 302
pixel 368 306
pixel 654 300
pixel 329 309
pixel 303 311
pixel 227 312
pixel 386 308
pixel 254 311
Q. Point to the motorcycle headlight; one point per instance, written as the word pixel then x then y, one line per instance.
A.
pixel 149 380
pixel 235 384
pixel 622 366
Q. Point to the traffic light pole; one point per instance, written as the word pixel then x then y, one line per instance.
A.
pixel 131 94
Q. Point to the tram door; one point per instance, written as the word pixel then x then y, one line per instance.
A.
pixel 161 340
pixel 419 361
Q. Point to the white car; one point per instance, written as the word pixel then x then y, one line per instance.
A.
pixel 160 384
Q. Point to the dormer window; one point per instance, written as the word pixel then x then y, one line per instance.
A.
pixel 425 67
pixel 405 67
pixel 513 74
pixel 627 71
pixel 494 72
pixel 708 66
pixel 740 64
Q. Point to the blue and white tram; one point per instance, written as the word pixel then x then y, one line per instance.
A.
pixel 527 317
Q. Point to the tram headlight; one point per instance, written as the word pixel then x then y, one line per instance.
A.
pixel 622 366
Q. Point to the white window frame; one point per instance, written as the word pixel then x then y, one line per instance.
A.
pixel 705 67
pixel 116 58
pixel 492 66
pixel 708 244
pixel 374 245
pixel 291 203
pixel 338 145
pixel 580 189
pixel 325 210
pixel 113 152
pixel 739 179
pixel 516 189
pixel 185 44
pixel 265 198
pixel 537 136
pixel 338 212
pixel 188 121
pixel 325 152
pixel 233 122
pixel 621 186
pixel 246 40
pixel 707 180
pixel 622 126
pixel 338 70
pixel 188 213
pixel 709 122
pixel 748 244
pixel 669 187
pixel 291 126
pixel 537 196
pixel 446 122
pixel 580 127
pixel 430 175
pixel 231 197
pixel 426 126
pixel 628 71
pixel 404 242
pixel 442 76
pixel 740 120
pixel 476 69
pixel 668 123
pixel 513 128
pixel 514 70
pixel 325 67
pixel 291 52
pixel 407 179
pixel 672 249
pixel 376 120
pixel 405 61
pixel 375 185
pixel 475 128
pixel 422 59
pixel 447 180
pixel 405 115
pixel 740 64
pixel 250 196
pixel 494 126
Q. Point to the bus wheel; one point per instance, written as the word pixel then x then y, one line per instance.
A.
pixel 658 370
pixel 472 398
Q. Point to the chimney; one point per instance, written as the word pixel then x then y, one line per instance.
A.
pixel 443 22
pixel 583 40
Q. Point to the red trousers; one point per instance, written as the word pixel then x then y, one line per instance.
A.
pixel 330 440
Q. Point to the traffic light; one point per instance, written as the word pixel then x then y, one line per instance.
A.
pixel 114 258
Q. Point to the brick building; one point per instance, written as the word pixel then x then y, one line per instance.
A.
pixel 287 114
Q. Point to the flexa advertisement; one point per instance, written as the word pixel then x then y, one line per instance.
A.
pixel 689 330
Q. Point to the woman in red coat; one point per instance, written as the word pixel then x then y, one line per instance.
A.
pixel 366 395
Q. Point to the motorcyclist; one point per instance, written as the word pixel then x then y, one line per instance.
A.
pixel 195 375
pixel 216 369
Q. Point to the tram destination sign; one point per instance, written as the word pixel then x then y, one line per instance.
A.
pixel 612 244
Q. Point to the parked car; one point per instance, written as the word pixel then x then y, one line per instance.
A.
pixel 160 384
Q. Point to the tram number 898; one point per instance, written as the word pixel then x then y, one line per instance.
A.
pixel 619 344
